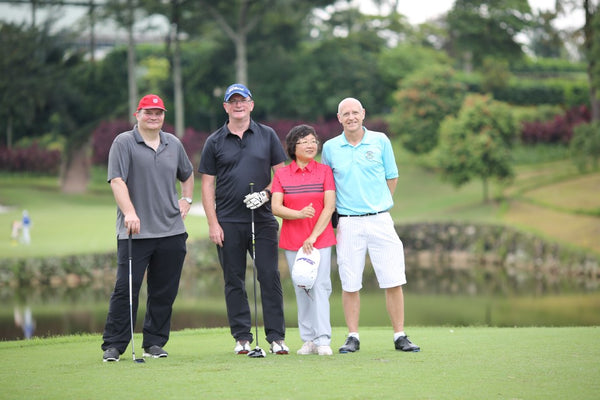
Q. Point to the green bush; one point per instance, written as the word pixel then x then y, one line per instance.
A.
pixel 547 66
pixel 585 145
pixel 566 91
pixel 425 98
pixel 475 144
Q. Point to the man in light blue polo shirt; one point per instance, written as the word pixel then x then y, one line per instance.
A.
pixel 365 173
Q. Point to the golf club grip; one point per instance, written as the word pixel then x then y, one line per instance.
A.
pixel 129 239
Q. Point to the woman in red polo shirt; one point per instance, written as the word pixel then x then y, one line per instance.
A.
pixel 303 195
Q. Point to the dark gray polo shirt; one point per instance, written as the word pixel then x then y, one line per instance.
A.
pixel 236 162
pixel 151 177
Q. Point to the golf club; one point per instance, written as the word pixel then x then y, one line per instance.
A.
pixel 136 360
pixel 257 352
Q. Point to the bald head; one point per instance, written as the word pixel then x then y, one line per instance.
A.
pixel 348 101
pixel 351 115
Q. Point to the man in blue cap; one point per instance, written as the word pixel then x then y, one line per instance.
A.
pixel 241 152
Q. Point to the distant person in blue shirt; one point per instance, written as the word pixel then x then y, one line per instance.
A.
pixel 25 227
pixel 365 173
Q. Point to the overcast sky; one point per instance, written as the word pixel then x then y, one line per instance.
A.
pixel 417 11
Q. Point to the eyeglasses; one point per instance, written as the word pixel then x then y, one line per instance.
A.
pixel 306 142
pixel 239 101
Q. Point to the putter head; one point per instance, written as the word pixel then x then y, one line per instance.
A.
pixel 257 353
pixel 139 360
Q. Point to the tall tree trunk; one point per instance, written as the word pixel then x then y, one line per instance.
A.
pixel 594 102
pixel 592 50
pixel 132 84
pixel 75 169
pixel 176 68
pixel 241 61
pixel 9 131
pixel 486 196
pixel 92 17
pixel 178 87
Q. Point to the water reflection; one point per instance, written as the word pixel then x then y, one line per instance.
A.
pixel 25 321
pixel 452 295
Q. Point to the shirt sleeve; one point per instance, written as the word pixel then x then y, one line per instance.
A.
pixel 207 159
pixel 184 167
pixel 277 153
pixel 324 155
pixel 276 185
pixel 389 161
pixel 118 160
pixel 329 183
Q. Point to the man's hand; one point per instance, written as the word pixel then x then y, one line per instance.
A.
pixel 256 199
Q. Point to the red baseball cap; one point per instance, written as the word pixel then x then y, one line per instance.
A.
pixel 151 101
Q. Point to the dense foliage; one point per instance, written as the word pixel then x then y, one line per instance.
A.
pixel 425 98
pixel 475 144
pixel 585 146
pixel 557 130
pixel 29 159
pixel 300 60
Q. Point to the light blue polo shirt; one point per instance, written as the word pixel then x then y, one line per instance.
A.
pixel 361 172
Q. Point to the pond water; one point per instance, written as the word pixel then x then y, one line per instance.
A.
pixel 437 297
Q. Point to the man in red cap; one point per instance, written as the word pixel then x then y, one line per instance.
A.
pixel 144 165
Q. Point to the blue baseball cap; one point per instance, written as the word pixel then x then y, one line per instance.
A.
pixel 237 88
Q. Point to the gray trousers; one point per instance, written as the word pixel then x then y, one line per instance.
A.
pixel 313 308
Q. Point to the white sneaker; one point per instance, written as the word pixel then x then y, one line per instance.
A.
pixel 324 351
pixel 242 347
pixel 279 347
pixel 307 348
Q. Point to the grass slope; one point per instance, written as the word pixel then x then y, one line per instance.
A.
pixel 549 199
pixel 455 363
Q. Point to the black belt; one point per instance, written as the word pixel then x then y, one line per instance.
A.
pixel 363 215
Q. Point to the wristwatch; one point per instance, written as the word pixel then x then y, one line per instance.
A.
pixel 188 199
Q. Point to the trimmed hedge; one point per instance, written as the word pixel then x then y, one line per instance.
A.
pixel 30 159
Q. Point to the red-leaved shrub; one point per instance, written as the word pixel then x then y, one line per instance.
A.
pixel 30 159
pixel 193 140
pixel 557 130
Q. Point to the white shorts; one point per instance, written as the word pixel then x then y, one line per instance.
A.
pixel 377 235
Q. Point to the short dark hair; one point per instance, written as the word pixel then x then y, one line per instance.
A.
pixel 295 134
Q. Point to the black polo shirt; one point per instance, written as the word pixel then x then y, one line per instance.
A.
pixel 236 163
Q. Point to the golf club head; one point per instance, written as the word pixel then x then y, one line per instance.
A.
pixel 257 353
pixel 139 360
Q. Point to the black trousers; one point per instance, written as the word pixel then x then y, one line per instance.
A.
pixel 233 258
pixel 162 260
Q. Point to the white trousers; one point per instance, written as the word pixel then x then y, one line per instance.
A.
pixel 313 307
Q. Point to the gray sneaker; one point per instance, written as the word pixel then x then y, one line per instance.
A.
pixel 111 354
pixel 404 344
pixel 155 352
pixel 352 344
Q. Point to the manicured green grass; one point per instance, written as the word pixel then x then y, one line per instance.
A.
pixel 455 363
pixel 65 224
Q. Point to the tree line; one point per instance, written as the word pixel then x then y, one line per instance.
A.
pixel 300 57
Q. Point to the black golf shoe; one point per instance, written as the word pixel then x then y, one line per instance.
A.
pixel 352 344
pixel 111 354
pixel 402 343
pixel 155 352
